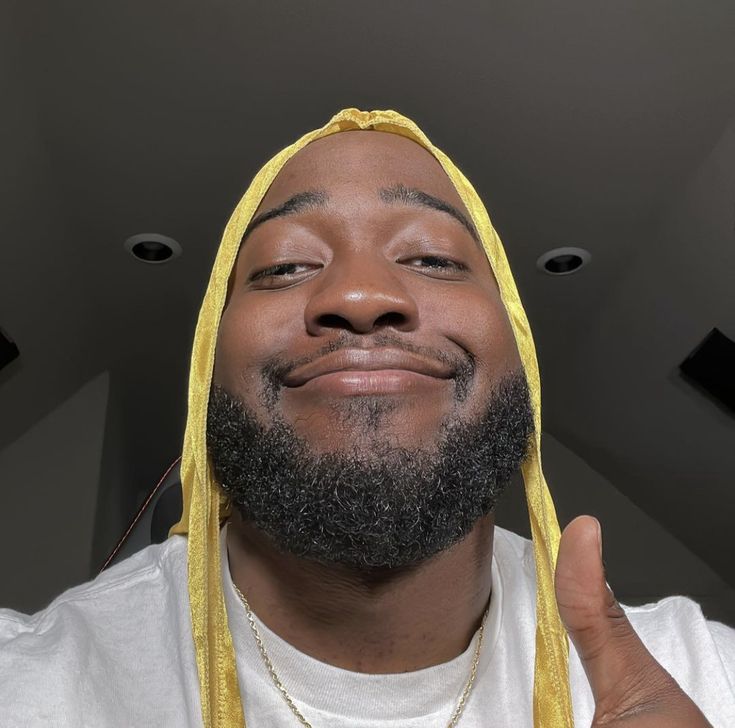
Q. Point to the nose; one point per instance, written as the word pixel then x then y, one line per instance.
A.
pixel 360 296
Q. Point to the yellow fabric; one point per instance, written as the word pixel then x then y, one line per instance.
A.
pixel 205 506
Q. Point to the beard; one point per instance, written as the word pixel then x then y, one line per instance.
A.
pixel 391 509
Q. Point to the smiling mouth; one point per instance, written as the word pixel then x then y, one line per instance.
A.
pixel 370 371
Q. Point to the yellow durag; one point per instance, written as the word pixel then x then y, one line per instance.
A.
pixel 205 506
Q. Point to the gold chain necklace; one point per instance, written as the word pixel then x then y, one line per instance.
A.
pixel 289 700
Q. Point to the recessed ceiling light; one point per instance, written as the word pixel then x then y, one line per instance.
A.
pixel 152 248
pixel 563 261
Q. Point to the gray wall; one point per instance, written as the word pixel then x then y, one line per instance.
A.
pixel 644 562
pixel 49 478
pixel 670 449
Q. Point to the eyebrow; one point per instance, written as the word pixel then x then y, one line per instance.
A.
pixel 296 203
pixel 399 193
pixel 412 196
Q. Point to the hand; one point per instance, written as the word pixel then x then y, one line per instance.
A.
pixel 631 689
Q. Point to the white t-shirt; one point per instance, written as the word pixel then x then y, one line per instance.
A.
pixel 118 652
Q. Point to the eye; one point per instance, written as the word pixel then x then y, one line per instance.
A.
pixel 437 264
pixel 280 274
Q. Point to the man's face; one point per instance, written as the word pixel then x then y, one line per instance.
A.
pixel 368 312
pixel 369 404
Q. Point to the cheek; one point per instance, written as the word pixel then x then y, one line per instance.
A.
pixel 249 336
pixel 498 344
pixel 476 319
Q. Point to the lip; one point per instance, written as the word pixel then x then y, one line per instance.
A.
pixel 359 361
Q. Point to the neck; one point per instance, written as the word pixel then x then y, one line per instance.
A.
pixel 391 621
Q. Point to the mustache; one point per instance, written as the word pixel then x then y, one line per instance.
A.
pixel 462 364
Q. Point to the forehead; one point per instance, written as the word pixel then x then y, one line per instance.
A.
pixel 355 161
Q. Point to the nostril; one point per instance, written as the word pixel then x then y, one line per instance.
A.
pixel 333 321
pixel 393 319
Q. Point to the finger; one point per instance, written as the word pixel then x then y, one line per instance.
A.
pixel 618 666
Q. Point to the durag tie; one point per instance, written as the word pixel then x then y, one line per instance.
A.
pixel 206 506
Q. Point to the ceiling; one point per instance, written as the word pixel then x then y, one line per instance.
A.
pixel 580 123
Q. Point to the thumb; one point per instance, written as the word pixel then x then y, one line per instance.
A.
pixel 619 668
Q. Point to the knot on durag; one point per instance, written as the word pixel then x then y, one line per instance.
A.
pixel 205 506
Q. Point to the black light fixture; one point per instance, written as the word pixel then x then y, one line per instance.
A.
pixel 711 366
pixel 563 261
pixel 152 248
pixel 8 349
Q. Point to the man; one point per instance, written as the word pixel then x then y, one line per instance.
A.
pixel 363 385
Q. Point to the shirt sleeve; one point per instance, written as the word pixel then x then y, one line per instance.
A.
pixel 724 639
pixel 697 653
